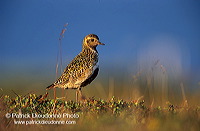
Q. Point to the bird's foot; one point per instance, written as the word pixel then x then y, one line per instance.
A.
pixel 83 99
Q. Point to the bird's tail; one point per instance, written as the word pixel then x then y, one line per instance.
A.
pixel 51 86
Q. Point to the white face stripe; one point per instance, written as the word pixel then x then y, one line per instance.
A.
pixel 96 66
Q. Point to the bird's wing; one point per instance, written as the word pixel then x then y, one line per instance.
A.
pixel 69 72
pixel 78 71
pixel 83 76
pixel 88 75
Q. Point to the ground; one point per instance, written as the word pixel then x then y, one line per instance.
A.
pixel 42 113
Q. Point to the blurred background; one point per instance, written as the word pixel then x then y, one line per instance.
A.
pixel 152 49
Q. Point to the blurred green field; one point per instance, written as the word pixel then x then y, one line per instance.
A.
pixel 155 87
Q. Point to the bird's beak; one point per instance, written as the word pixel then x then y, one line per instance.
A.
pixel 99 43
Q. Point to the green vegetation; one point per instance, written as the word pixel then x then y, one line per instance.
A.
pixel 94 114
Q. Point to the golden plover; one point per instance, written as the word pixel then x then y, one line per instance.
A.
pixel 83 69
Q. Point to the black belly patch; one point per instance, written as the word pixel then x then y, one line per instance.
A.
pixel 91 78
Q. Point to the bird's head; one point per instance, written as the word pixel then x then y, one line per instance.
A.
pixel 92 41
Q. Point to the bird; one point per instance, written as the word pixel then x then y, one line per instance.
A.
pixel 83 69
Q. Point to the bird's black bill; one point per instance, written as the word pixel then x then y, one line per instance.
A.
pixel 101 43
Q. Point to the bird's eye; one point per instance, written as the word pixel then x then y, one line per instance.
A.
pixel 92 40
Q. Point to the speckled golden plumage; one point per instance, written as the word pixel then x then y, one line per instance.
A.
pixel 83 69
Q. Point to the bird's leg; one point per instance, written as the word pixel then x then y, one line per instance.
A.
pixel 81 95
pixel 79 92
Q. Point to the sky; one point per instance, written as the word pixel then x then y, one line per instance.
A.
pixel 137 33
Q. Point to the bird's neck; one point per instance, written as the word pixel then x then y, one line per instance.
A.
pixel 88 49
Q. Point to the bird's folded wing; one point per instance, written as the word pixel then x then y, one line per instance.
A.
pixel 84 76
